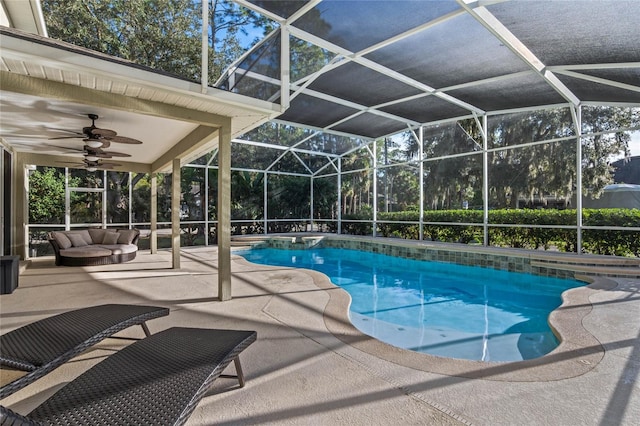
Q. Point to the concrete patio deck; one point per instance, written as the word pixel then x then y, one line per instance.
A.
pixel 299 372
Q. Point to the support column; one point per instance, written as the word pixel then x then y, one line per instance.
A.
pixel 207 225
pixel 175 214
pixel 204 65
pixel 153 236
pixel 130 213
pixel 224 212
pixel 421 171
pixel 311 202
pixel 339 195
pixel 577 112
pixel 265 202
pixel 21 213
pixel 485 181
pixel 284 67
pixel 67 201
pixel 103 224
pixel 375 188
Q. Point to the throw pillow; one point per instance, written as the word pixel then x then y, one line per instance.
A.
pixel 110 238
pixel 126 236
pixel 83 233
pixel 97 235
pixel 62 240
pixel 86 236
pixel 77 240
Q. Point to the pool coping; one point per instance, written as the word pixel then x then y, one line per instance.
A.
pixel 578 352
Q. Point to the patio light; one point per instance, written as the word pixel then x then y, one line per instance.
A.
pixel 93 143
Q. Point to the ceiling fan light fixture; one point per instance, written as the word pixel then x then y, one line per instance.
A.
pixel 93 143
pixel 91 158
pixel 91 169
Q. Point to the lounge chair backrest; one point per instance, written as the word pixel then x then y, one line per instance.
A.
pixel 46 344
pixel 156 380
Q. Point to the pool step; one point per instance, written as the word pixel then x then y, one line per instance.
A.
pixel 572 258
pixel 284 241
pixel 612 269
pixel 246 240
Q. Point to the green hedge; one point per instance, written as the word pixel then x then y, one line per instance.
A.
pixel 612 242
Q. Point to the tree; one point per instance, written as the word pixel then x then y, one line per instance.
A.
pixel 449 181
pixel 46 196
pixel 161 34
pixel 141 197
pixel 549 169
pixel 289 197
pixel 164 197
pixel 536 172
pixel 227 21
pixel 117 197
pixel 356 185
pixel 192 193
pixel 247 189
pixel 598 149
pixel 325 198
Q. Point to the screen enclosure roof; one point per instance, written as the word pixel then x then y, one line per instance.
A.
pixel 372 69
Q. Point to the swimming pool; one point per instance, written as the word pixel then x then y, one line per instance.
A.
pixel 437 308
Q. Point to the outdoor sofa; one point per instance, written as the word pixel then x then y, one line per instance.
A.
pixel 158 380
pixel 44 345
pixel 94 246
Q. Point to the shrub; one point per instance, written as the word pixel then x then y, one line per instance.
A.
pixel 439 225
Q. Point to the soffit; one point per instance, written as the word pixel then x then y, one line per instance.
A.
pixel 49 85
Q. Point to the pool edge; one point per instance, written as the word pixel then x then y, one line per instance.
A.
pixel 578 353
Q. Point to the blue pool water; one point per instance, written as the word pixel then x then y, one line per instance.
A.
pixel 438 308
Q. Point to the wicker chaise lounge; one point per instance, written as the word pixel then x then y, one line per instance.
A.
pixel 90 247
pixel 158 380
pixel 44 345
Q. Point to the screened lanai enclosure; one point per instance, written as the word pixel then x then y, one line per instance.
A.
pixel 469 122
pixel 451 187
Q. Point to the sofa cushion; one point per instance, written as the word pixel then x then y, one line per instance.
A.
pixel 126 236
pixel 77 240
pixel 110 238
pixel 63 241
pixel 120 248
pixel 97 235
pixel 86 251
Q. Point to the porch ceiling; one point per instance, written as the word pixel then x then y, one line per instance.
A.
pixel 48 87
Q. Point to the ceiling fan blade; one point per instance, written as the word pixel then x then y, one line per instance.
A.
pixel 123 139
pixel 116 154
pixel 99 154
pixel 66 137
pixel 58 129
pixel 71 162
pixel 67 148
pixel 105 133
pixel 110 165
